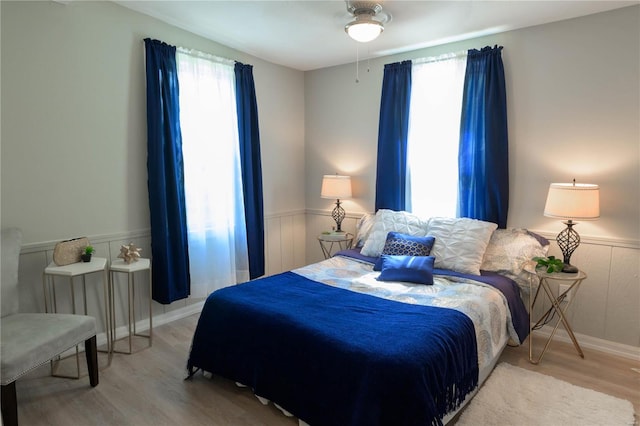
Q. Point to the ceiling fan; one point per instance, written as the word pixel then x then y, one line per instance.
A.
pixel 369 20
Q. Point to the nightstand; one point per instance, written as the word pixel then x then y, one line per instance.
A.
pixel 342 240
pixel 573 281
pixel 79 269
pixel 130 269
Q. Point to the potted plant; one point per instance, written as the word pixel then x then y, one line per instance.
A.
pixel 551 264
pixel 86 256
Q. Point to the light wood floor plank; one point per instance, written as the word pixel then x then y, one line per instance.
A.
pixel 148 387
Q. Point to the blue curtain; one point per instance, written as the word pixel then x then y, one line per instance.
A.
pixel 167 207
pixel 391 173
pixel 483 157
pixel 251 167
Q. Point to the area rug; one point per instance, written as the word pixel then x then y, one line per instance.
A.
pixel 515 396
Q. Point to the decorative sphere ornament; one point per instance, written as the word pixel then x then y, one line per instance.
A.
pixel 130 253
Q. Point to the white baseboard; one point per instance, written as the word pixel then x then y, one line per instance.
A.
pixel 161 319
pixel 143 325
pixel 606 346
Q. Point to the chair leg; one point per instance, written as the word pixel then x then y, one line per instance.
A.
pixel 9 405
pixel 8 392
pixel 91 352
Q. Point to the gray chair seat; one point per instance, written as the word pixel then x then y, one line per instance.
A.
pixel 30 340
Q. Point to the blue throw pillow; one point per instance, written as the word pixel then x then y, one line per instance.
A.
pixel 413 269
pixel 398 244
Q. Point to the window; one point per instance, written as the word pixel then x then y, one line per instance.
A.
pixel 434 136
pixel 212 175
pixel 426 116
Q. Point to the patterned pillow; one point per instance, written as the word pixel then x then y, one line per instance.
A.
pixel 363 228
pixel 510 253
pixel 413 269
pixel 398 244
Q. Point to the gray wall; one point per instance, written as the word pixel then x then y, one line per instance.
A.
pixel 573 99
pixel 573 108
pixel 73 134
pixel 74 119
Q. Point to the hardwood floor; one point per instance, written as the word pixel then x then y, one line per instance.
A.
pixel 148 387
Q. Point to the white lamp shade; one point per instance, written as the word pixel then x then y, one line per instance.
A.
pixel 574 201
pixel 336 186
pixel 364 29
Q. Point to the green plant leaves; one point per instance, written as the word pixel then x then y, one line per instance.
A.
pixel 550 263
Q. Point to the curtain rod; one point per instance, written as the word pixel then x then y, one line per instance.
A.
pixel 444 57
pixel 204 55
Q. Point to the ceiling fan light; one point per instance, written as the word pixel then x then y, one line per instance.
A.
pixel 364 30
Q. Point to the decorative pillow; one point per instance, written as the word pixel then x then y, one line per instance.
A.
pixel 404 245
pixel 363 228
pixel 413 269
pixel 510 253
pixel 391 221
pixel 460 243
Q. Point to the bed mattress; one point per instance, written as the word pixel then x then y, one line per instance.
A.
pixel 275 355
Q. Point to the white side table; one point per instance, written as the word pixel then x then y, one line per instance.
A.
pixel 79 269
pixel 575 279
pixel 130 269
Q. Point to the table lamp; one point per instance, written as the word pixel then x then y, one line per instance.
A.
pixel 336 186
pixel 572 201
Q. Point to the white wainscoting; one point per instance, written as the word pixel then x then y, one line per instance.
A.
pixel 36 256
pixel 605 313
pixel 285 241
pixel 607 305
pixel 285 249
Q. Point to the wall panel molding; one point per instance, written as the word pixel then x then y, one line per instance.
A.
pixel 94 239
pixel 284 246
pixel 604 323
pixel 586 239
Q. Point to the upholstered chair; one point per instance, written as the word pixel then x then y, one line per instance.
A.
pixel 29 340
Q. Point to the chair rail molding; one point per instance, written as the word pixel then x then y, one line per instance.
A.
pixel 605 314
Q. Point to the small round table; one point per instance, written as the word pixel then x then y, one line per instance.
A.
pixel 327 241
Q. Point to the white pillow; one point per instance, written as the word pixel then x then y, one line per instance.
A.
pixel 510 253
pixel 387 221
pixel 363 228
pixel 460 243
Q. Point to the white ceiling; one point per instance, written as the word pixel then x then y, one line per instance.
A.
pixel 307 35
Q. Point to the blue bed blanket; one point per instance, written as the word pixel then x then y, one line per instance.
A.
pixel 335 357
pixel 508 288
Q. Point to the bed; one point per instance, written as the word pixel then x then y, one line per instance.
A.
pixel 401 330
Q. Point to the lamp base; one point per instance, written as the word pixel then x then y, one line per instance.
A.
pixel 568 240
pixel 338 215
